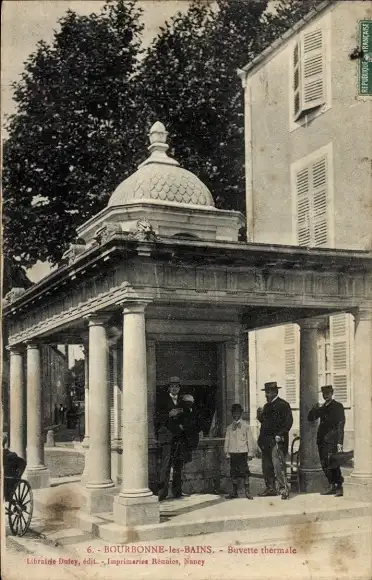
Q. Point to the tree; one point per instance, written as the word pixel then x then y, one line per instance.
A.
pixel 190 82
pixel 85 102
pixel 74 135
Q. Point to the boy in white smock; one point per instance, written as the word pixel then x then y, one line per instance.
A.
pixel 239 448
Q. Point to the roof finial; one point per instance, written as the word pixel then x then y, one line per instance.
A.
pixel 158 146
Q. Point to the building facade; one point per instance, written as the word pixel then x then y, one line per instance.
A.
pixel 308 180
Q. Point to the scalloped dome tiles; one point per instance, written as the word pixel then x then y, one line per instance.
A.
pixel 160 179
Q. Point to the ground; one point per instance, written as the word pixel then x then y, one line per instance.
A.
pixel 316 548
pixel 330 551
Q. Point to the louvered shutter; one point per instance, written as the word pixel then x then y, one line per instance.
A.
pixel 291 364
pixel 312 70
pixel 297 101
pixel 341 341
pixel 303 207
pixel 312 204
pixel 319 199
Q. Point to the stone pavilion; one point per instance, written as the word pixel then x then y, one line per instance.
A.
pixel 159 285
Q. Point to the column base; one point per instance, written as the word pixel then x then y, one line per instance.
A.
pixel 358 488
pixel 136 511
pixel 96 501
pixel 85 442
pixel 37 477
pixel 312 480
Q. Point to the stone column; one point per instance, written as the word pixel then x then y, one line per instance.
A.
pixel 135 503
pixel 116 455
pixel 97 472
pixel 17 402
pixel 151 388
pixel 359 484
pixel 86 395
pixel 311 474
pixel 151 407
pixel 37 473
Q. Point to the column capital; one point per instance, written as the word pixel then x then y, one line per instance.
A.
pixel 15 349
pixel 308 323
pixel 97 318
pixel 32 345
pixel 134 307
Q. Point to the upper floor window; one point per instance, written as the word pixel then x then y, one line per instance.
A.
pixel 310 79
pixel 312 195
pixel 308 73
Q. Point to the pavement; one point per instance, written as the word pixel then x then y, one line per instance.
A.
pixel 308 537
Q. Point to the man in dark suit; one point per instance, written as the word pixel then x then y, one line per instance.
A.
pixel 191 425
pixel 276 421
pixel 330 437
pixel 170 435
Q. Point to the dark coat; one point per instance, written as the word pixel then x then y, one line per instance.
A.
pixel 276 419
pixel 332 422
pixel 167 428
pixel 191 425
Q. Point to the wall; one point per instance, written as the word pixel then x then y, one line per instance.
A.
pixel 273 143
pixel 275 146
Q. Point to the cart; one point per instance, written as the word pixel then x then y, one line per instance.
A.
pixel 17 494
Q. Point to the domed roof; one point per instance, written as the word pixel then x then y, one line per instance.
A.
pixel 161 178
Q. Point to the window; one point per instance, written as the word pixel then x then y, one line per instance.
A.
pixel 308 73
pixel 309 78
pixel 341 332
pixel 312 196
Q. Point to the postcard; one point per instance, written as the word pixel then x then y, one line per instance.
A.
pixel 187 289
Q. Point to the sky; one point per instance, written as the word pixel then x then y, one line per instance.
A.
pixel 25 22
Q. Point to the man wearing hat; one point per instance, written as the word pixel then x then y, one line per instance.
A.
pixel 170 435
pixel 330 437
pixel 276 421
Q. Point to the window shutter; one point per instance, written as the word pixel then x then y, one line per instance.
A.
pixel 297 81
pixel 312 70
pixel 303 207
pixel 320 206
pixel 291 364
pixel 341 341
pixel 312 204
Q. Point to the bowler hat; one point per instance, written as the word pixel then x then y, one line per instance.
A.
pixel 174 380
pixel 272 386
pixel 326 389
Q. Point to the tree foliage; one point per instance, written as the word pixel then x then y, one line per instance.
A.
pixel 73 136
pixel 85 102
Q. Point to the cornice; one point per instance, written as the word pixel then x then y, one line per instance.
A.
pixel 267 258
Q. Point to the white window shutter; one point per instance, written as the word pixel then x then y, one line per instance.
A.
pixel 297 93
pixel 303 207
pixel 312 183
pixel 291 364
pixel 341 341
pixel 312 70
pixel 320 205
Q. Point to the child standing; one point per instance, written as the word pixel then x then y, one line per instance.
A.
pixel 239 449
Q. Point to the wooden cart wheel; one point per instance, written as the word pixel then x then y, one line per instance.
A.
pixel 20 508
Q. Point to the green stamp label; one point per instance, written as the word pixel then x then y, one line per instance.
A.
pixel 365 63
